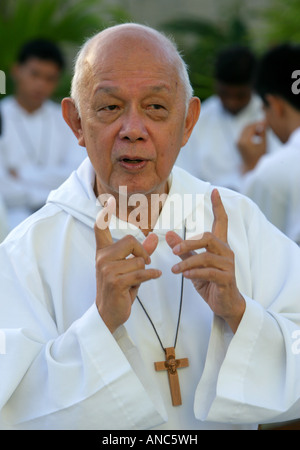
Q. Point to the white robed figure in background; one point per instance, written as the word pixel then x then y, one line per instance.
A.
pixel 274 185
pixel 80 348
pixel 37 149
pixel 213 152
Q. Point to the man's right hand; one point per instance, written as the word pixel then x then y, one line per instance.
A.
pixel 120 270
pixel 252 144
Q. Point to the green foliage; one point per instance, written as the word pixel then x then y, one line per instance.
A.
pixel 67 23
pixel 282 20
pixel 199 41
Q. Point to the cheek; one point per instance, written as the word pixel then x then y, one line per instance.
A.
pixel 176 139
pixel 96 146
pixel 169 149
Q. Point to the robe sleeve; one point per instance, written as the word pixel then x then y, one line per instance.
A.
pixel 255 378
pixel 270 186
pixel 79 379
pixel 3 221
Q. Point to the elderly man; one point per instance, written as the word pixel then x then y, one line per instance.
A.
pixel 181 321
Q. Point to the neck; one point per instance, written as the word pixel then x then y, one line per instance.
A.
pixel 28 106
pixel 290 120
pixel 294 125
pixel 141 210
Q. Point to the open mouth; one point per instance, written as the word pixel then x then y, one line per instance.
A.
pixel 133 163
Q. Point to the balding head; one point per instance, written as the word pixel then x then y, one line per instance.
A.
pixel 120 42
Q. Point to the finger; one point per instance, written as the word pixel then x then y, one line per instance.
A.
pixel 201 261
pixel 123 266
pixel 260 128
pixel 259 133
pixel 133 279
pixel 208 242
pixel 150 243
pixel 127 247
pixel 127 265
pixel 208 274
pixel 177 243
pixel 220 224
pixel 101 228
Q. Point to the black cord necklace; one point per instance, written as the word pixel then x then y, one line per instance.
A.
pixel 171 364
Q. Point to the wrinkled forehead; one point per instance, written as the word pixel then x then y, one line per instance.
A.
pixel 131 49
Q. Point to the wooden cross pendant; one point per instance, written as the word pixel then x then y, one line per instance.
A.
pixel 171 364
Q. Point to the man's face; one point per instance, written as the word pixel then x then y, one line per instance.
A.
pixel 133 119
pixel 36 81
pixel 233 97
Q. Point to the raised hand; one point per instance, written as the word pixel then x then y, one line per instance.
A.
pixel 212 271
pixel 120 269
pixel 252 144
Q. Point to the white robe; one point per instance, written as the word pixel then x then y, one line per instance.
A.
pixel 41 148
pixel 62 368
pixel 3 221
pixel 211 153
pixel 275 186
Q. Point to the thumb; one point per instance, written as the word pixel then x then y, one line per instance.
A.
pixel 150 243
pixel 101 228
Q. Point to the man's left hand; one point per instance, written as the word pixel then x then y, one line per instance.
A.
pixel 212 271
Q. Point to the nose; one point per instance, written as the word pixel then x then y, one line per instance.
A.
pixel 133 126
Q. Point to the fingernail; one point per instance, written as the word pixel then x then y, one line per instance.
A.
pixel 175 268
pixel 176 249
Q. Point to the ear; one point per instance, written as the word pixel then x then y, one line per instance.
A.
pixel 191 118
pixel 277 104
pixel 71 116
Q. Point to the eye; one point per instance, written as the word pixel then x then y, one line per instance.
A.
pixel 109 108
pixel 108 113
pixel 157 111
pixel 156 106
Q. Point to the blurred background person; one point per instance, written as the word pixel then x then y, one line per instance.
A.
pixel 3 221
pixel 275 183
pixel 211 153
pixel 37 150
pixel 3 213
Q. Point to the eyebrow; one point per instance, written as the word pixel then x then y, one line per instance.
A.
pixel 115 90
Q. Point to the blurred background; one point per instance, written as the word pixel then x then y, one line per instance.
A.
pixel 200 28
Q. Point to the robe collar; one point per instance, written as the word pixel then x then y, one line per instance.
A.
pixel 77 197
